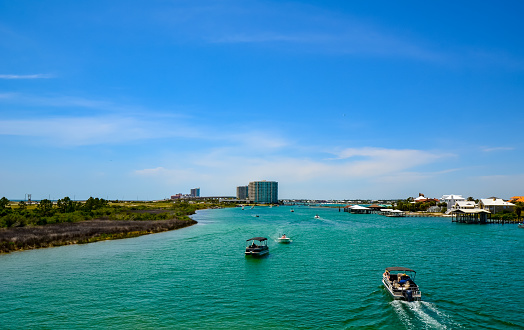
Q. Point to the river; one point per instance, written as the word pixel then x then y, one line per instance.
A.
pixel 328 277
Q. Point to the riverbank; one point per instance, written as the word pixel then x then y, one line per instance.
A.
pixel 35 237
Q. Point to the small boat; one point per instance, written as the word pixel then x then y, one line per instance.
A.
pixel 292 210
pixel 395 214
pixel 521 225
pixel 257 249
pixel 400 283
pixel 284 239
pixel 317 217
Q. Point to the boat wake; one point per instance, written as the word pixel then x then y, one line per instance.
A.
pixel 422 315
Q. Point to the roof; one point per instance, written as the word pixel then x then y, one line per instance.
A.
pixel 358 207
pixel 257 239
pixel 455 197
pixel 465 202
pixel 391 211
pixel 495 202
pixel 471 211
pixel 400 269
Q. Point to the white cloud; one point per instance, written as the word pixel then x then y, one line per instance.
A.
pixel 290 26
pixel 27 76
pixel 492 149
pixel 77 131
pixel 224 169
pixel 379 161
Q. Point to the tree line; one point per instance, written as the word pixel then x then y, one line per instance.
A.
pixel 66 210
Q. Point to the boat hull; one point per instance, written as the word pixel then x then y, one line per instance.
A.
pixel 256 253
pixel 284 240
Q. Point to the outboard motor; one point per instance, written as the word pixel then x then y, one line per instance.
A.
pixel 409 295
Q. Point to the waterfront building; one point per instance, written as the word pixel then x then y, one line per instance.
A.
pixel 495 205
pixel 451 200
pixel 242 192
pixel 195 192
pixel 265 192
pixel 423 199
pixel 465 205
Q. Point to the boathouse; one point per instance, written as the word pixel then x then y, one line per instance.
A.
pixel 470 215
pixel 357 209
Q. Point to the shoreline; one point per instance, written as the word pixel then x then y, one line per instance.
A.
pixel 83 232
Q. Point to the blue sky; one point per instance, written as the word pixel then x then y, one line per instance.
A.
pixel 332 99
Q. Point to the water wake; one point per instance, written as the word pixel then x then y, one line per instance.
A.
pixel 422 315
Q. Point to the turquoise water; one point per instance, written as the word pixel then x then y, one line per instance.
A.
pixel 328 277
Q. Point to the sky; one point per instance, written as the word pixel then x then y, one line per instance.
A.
pixel 331 99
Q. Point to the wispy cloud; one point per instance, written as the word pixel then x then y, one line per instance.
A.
pixel 492 149
pixel 236 167
pixel 301 27
pixel 27 76
pixel 78 131
pixel 291 26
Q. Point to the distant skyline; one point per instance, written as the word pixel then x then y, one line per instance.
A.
pixel 331 99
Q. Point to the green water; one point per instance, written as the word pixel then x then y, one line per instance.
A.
pixel 328 277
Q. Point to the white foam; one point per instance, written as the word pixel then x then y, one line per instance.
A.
pixel 402 314
pixel 432 307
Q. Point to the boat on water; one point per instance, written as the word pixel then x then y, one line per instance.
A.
pixel 292 210
pixel 400 283
pixel 258 247
pixel 284 239
pixel 521 225
pixel 395 213
pixel 317 217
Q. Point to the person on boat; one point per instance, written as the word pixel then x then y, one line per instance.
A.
pixel 386 273
pixel 283 235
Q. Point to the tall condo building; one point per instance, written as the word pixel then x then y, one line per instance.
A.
pixel 195 192
pixel 242 192
pixel 263 192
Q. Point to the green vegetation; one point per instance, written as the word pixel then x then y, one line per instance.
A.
pixel 46 224
pixel 66 211
pixel 409 206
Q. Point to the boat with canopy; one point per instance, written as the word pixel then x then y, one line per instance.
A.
pixel 257 247
pixel 400 283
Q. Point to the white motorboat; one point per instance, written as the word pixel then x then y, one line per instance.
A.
pixel 257 249
pixel 521 225
pixel 317 217
pixel 284 239
pixel 400 283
